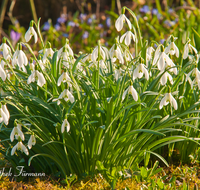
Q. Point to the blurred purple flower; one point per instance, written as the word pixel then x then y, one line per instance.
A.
pixel 101 35
pixel 170 10
pixel 108 22
pixel 82 17
pixel 15 36
pixel 106 43
pixel 46 26
pixel 100 25
pixel 85 35
pixel 89 21
pixel 57 26
pixel 162 41
pixel 154 11
pixel 62 19
pixel 65 35
pixel 144 9
pixel 71 23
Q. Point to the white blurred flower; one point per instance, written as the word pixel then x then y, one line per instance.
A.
pixel 3 74
pixel 31 141
pixel 103 53
pixel 65 125
pixel 6 51
pixel 196 73
pixel 172 49
pixel 5 110
pixel 48 54
pixel 16 132
pixel 163 61
pixel 139 71
pixel 188 47
pixel 64 78
pixel 127 55
pixel 31 32
pixel 120 22
pixel 3 116
pixel 66 48
pixel 168 98
pixel 36 75
pixel 117 74
pixel 116 53
pixel 20 59
pixel 165 77
pixel 66 95
pixel 130 90
pixel 127 38
pixel 19 146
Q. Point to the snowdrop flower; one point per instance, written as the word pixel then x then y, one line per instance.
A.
pixel 102 65
pixel 4 117
pixel 103 53
pixel 162 60
pixel 2 73
pixel 31 32
pixel 31 141
pixel 36 75
pixel 66 95
pixel 165 77
pixel 117 74
pixel 188 47
pixel 196 73
pixel 17 133
pixel 5 110
pixel 168 98
pixel 130 90
pixel 65 125
pixel 87 58
pixel 149 54
pixel 20 59
pixel 139 71
pixel 19 146
pixel 5 49
pixel 127 36
pixel 48 52
pixel 65 48
pixel 127 55
pixel 172 48
pixel 120 22
pixel 64 78
pixel 116 53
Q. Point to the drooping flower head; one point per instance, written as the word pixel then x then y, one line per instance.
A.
pixel 120 22
pixel 5 49
pixel 31 32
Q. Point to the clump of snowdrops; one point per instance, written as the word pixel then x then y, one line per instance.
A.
pixel 101 112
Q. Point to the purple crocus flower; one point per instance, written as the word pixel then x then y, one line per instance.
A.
pixel 144 9
pixel 15 36
pixel 108 22
pixel 170 10
pixel 154 11
pixel 100 25
pixel 62 19
pixel 46 26
pixel 82 17
pixel 71 23
pixel 85 35
pixel 89 21
pixel 65 35
pixel 57 26
pixel 162 41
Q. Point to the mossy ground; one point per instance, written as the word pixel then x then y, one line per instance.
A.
pixel 185 174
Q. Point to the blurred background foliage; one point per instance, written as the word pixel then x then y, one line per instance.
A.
pixel 86 21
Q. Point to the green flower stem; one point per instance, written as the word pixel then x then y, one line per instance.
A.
pixel 137 25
